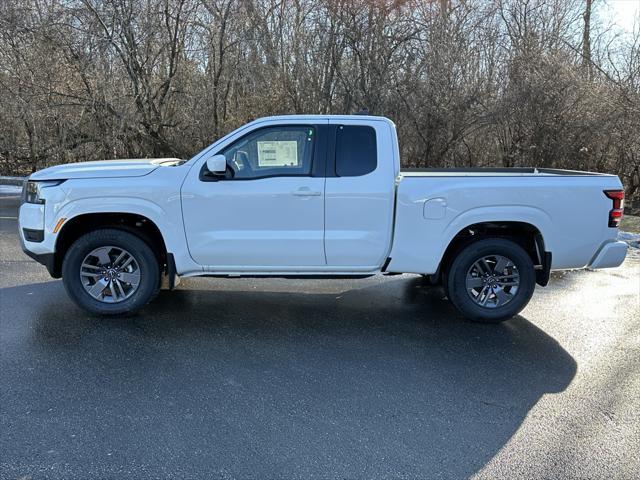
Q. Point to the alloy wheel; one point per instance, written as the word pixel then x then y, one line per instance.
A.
pixel 492 281
pixel 110 274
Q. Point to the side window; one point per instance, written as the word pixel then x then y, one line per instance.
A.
pixel 356 150
pixel 272 151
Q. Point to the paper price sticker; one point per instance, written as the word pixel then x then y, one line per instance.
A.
pixel 278 153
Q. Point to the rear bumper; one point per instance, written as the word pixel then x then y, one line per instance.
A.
pixel 610 255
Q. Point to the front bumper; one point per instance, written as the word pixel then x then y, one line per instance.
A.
pixel 610 255
pixel 35 236
pixel 46 259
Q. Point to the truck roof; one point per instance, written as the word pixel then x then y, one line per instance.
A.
pixel 315 118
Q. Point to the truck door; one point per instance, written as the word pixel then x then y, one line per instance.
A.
pixel 267 211
pixel 360 193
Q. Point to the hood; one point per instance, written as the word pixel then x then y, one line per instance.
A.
pixel 103 169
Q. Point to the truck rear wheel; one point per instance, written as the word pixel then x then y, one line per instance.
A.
pixel 110 272
pixel 491 280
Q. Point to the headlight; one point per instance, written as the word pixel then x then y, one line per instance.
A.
pixel 32 190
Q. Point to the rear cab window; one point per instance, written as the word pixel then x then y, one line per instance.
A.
pixel 356 150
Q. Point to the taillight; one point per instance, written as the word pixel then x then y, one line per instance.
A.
pixel 615 214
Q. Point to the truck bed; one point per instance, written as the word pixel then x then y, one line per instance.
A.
pixel 494 172
pixel 568 208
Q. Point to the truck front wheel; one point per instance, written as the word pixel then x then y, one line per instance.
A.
pixel 491 280
pixel 110 272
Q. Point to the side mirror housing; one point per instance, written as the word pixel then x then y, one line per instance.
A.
pixel 217 164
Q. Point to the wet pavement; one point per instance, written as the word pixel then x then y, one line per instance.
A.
pixel 375 378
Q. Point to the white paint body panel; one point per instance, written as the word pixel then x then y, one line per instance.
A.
pixel 102 169
pixel 155 196
pixel 355 223
pixel 254 223
pixel 571 213
pixel 359 210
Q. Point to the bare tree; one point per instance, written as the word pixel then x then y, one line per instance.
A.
pixel 468 82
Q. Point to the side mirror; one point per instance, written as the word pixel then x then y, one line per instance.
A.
pixel 217 164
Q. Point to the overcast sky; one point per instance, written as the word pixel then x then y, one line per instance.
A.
pixel 624 13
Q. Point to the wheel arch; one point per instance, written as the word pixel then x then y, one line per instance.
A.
pixel 525 234
pixel 137 224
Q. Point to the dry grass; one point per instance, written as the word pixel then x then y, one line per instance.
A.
pixel 630 223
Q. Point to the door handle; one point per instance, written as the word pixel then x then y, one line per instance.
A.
pixel 306 192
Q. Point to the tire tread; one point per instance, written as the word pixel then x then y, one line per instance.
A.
pixel 456 275
pixel 139 248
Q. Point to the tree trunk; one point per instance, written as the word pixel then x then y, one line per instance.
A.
pixel 586 40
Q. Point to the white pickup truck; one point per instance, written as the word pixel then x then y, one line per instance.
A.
pixel 315 196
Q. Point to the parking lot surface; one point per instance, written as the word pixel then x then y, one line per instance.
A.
pixel 375 378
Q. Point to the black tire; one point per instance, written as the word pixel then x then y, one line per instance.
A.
pixel 457 276
pixel 143 254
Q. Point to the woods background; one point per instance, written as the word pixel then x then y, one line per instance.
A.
pixel 468 83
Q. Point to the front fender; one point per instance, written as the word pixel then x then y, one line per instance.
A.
pixel 168 220
pixel 131 205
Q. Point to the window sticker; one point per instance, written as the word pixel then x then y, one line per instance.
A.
pixel 278 153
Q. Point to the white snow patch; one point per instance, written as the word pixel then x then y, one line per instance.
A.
pixel 632 239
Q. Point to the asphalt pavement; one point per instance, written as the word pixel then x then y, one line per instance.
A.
pixel 375 378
